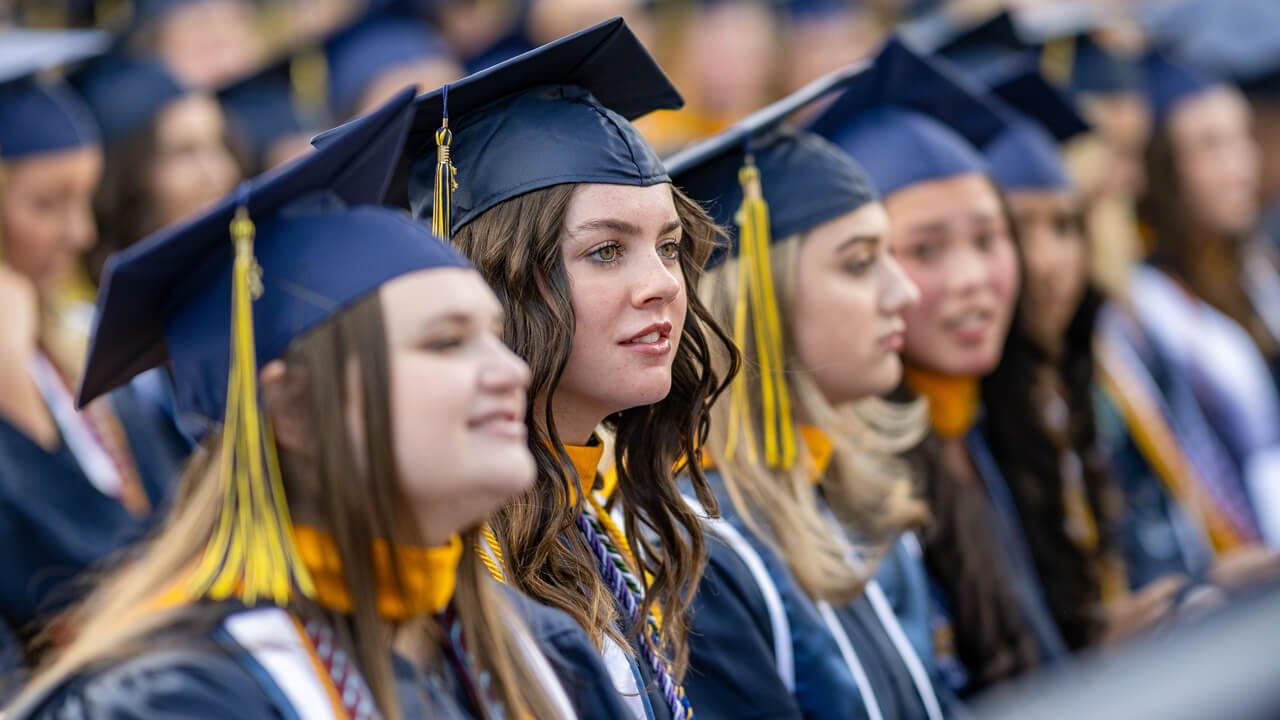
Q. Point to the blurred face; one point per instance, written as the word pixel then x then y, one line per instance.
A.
pixel 193 166
pixel 952 240
pixel 1124 123
pixel 1217 159
pixel 1056 259
pixel 621 250
pixel 457 399
pixel 428 73
pixel 46 213
pixel 850 296
pixel 733 52
pixel 210 43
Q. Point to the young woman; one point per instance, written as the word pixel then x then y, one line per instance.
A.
pixel 789 620
pixel 74 485
pixel 950 231
pixel 282 582
pixel 569 214
pixel 167 156
pixel 1198 297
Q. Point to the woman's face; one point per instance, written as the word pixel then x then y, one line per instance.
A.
pixel 46 213
pixel 211 43
pixel 952 240
pixel 457 399
pixel 1217 160
pixel 1056 257
pixel 849 300
pixel 621 247
pixel 193 168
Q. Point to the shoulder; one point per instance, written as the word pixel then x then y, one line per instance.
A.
pixel 193 682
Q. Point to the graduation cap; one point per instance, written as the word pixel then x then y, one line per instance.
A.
pixel 910 118
pixel 43 115
pixel 219 296
pixel 1025 155
pixel 987 48
pixel 370 46
pixel 557 114
pixel 1072 56
pixel 1171 80
pixel 1239 40
pixel 765 182
pixel 125 94
pixel 284 99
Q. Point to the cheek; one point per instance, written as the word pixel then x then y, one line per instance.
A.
pixel 30 239
pixel 1003 274
pixel 429 406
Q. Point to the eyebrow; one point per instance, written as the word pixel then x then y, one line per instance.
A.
pixel 858 240
pixel 622 227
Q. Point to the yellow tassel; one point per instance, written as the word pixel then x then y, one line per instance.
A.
pixel 1057 59
pixel 493 558
pixel 253 554
pixel 446 176
pixel 757 299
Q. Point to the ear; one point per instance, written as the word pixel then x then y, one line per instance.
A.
pixel 282 395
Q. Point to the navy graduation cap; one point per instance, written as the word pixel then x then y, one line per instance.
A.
pixel 125 93
pixel 1239 40
pixel 43 115
pixel 909 118
pixel 370 46
pixel 983 49
pixel 1024 156
pixel 804 179
pixel 557 114
pixel 219 296
pixel 1073 55
pixel 766 182
pixel 284 99
pixel 1170 80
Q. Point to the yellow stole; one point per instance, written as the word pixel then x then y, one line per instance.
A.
pixel 953 401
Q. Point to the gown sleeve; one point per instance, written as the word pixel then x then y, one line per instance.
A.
pixel 574 659
pixel 732 667
pixel 165 685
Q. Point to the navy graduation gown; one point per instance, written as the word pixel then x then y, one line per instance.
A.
pixel 574 659
pixel 196 674
pixel 57 524
pixel 733 669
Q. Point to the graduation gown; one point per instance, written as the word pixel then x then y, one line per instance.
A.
pixel 62 523
pixel 575 661
pixel 760 648
pixel 241 667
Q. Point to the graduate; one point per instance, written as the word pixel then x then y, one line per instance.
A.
pixel 791 619
pixel 76 485
pixel 323 559
pixel 534 171
pixel 1191 298
pixel 166 151
pixel 273 114
pixel 916 134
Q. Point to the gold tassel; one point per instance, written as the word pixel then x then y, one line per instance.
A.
pixel 446 176
pixel 757 299
pixel 253 554
pixel 1057 60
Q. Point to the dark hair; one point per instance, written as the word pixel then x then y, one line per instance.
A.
pixel 516 246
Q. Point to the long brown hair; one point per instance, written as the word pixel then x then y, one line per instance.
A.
pixel 319 480
pixel 516 246
pixel 867 488
pixel 1212 267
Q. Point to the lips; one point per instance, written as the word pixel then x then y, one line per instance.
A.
pixel 650 335
pixel 970 326
pixel 503 422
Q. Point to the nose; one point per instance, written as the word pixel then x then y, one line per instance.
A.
pixel 968 271
pixel 504 371
pixel 898 291
pixel 658 281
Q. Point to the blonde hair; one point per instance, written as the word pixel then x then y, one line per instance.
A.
pixel 868 488
pixel 119 619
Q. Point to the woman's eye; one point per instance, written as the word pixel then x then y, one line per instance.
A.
pixel 608 253
pixel 444 344
pixel 669 251
pixel 860 266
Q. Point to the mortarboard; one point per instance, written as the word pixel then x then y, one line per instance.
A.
pixel 764 182
pixel 1073 56
pixel 557 114
pixel 125 94
pixel 284 99
pixel 43 115
pixel 1239 40
pixel 910 118
pixel 1024 156
pixel 1171 80
pixel 370 46
pixel 309 239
